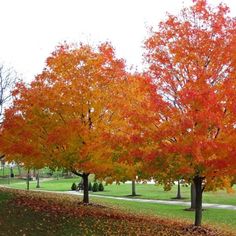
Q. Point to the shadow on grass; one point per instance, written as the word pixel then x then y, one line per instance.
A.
pixel 192 209
pixel 132 196
pixel 180 199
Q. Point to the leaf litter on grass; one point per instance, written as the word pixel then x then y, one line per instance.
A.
pixel 67 216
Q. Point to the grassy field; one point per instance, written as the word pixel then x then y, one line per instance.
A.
pixel 11 181
pixel 34 213
pixel 217 217
pixel 47 184
pixel 17 171
pixel 146 191
pixel 150 191
pixel 5 171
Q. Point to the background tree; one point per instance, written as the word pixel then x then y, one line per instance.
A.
pixel 132 141
pixel 190 59
pixel 8 80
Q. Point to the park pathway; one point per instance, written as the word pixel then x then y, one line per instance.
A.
pixel 205 205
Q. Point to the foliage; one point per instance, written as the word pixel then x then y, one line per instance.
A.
pixel 81 185
pixel 90 188
pixel 95 187
pixel 70 97
pixel 100 187
pixel 74 186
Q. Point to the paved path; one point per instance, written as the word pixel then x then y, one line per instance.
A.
pixel 205 205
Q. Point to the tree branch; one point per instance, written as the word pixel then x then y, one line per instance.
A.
pixel 77 173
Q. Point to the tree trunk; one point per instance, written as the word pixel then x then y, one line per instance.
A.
pixel 27 180
pixel 19 169
pixel 86 188
pixel 3 167
pixel 37 178
pixel 133 188
pixel 11 172
pixel 178 191
pixel 84 177
pixel 34 172
pixel 193 196
pixel 198 211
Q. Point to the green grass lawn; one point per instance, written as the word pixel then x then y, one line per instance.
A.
pixel 146 191
pixel 11 181
pixel 52 185
pixel 5 171
pixel 4 196
pixel 217 217
pixel 150 191
pixel 17 220
pixel 21 171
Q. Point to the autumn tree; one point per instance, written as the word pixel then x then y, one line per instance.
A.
pixel 68 111
pixel 190 60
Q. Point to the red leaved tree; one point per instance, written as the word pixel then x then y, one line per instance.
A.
pixel 190 60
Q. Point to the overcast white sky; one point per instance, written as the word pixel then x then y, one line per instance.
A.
pixel 30 29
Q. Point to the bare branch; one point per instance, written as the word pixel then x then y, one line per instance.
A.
pixel 8 80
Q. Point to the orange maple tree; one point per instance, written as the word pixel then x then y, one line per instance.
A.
pixel 59 120
pixel 85 113
pixel 190 60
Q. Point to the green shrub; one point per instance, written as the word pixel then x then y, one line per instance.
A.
pixel 73 186
pixel 90 187
pixel 95 187
pixel 100 187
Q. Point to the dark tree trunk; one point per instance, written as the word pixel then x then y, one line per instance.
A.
pixel 34 172
pixel 84 177
pixel 86 188
pixel 198 211
pixel 193 196
pixel 11 172
pixel 3 167
pixel 178 191
pixel 37 178
pixel 27 179
pixel 133 188
pixel 19 169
